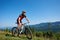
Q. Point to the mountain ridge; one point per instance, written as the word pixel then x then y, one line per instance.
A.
pixel 54 26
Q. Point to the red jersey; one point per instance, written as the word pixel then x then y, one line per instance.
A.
pixel 21 17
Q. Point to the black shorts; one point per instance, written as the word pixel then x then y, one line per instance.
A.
pixel 18 21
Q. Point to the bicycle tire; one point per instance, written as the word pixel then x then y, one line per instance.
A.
pixel 28 33
pixel 15 31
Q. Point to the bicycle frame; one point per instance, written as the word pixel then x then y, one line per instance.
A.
pixel 26 31
pixel 23 27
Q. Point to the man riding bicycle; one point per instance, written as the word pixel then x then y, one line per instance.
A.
pixel 19 19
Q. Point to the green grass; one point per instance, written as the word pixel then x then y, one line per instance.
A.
pixel 23 37
pixel 9 37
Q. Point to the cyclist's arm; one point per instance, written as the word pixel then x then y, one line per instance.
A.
pixel 27 19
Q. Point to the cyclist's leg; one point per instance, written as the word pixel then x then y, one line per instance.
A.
pixel 19 25
pixel 22 29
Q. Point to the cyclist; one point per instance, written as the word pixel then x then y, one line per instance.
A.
pixel 19 19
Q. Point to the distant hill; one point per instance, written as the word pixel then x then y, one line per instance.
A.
pixel 53 26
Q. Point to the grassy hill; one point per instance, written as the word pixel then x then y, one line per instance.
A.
pixel 23 37
pixel 9 36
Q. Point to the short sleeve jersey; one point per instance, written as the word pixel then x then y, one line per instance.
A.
pixel 22 16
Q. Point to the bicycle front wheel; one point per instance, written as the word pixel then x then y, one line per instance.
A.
pixel 28 33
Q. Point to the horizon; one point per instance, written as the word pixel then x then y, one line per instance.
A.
pixel 37 11
pixel 38 26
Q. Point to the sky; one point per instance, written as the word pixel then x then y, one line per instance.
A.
pixel 37 11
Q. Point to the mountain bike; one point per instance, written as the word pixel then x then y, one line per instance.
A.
pixel 26 30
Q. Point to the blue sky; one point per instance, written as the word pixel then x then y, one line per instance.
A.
pixel 37 11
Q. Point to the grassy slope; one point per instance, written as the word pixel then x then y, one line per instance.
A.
pixel 3 37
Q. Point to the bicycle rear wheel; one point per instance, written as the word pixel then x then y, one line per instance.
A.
pixel 14 31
